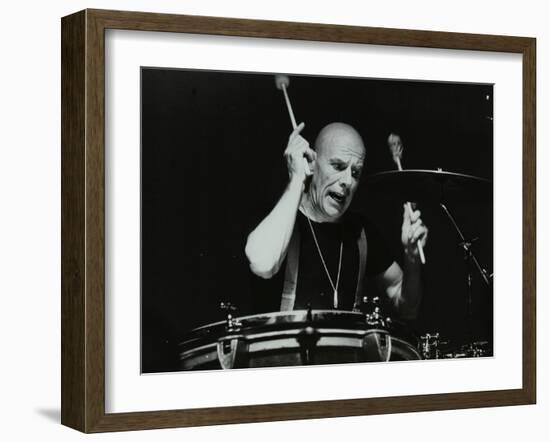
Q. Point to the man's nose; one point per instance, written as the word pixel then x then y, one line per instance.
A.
pixel 345 179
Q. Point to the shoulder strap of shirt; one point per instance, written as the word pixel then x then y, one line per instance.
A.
pixel 291 272
pixel 362 248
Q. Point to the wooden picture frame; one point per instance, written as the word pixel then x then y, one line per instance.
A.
pixel 83 220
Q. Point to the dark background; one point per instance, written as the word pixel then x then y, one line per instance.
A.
pixel 212 167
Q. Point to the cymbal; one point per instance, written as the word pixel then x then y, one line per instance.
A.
pixel 429 186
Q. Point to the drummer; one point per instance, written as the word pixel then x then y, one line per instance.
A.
pixel 315 251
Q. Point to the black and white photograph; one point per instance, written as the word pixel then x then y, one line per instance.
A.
pixel 294 220
pixel 252 221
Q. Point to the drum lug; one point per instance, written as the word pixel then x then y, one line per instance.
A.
pixel 308 339
pixel 232 352
pixel 231 323
pixel 429 346
pixel 374 317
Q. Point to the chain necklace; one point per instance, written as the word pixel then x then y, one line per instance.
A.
pixel 334 287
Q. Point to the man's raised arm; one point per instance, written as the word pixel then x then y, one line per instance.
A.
pixel 404 287
pixel 267 244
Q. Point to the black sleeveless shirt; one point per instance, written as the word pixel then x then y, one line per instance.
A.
pixel 313 285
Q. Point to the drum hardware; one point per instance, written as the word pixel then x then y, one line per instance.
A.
pixel 467 247
pixel 477 349
pixel 373 312
pixel 377 344
pixel 232 324
pixel 471 263
pixel 231 349
pixel 430 344
pixel 432 347
pixel 232 352
pixel 308 339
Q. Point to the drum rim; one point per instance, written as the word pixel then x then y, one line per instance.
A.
pixel 291 313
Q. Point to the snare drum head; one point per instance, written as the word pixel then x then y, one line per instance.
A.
pixel 295 338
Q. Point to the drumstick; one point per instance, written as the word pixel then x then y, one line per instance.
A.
pixel 396 148
pixel 282 82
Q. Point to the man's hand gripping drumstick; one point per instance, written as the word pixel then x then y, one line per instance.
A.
pixel 411 219
pixel 267 244
pixel 282 82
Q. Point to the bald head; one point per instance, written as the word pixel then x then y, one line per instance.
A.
pixel 338 135
pixel 338 165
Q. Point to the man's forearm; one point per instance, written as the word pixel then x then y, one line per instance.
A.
pixel 267 244
pixel 411 289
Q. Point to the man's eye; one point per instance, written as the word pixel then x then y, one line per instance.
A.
pixel 356 173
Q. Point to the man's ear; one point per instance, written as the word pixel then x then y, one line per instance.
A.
pixel 313 162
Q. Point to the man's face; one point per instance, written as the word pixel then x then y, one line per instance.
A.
pixel 340 157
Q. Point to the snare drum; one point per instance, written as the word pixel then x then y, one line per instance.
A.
pixel 294 338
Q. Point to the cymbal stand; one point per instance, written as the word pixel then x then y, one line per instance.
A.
pixel 471 262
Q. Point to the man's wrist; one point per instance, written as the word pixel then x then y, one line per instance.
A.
pixel 296 184
pixel 411 257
